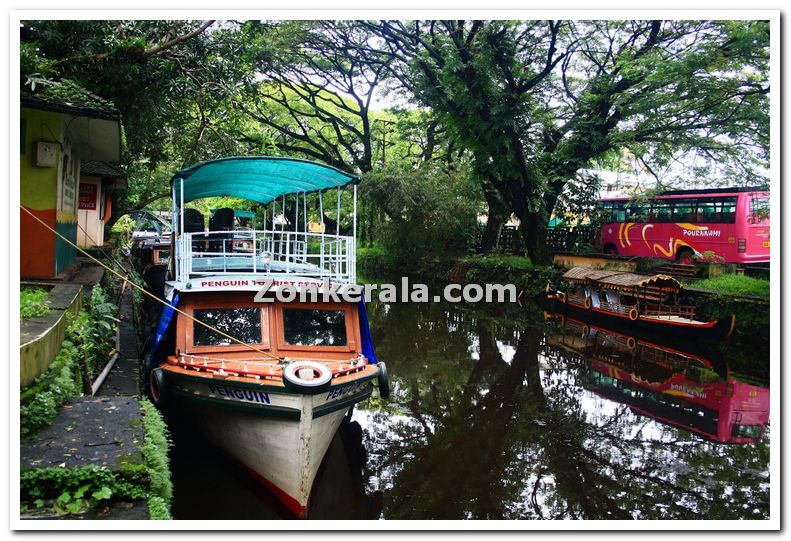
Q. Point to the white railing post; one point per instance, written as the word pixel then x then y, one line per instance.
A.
pixel 255 257
pixel 288 251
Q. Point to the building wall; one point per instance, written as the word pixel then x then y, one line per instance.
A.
pixel 38 194
pixel 50 193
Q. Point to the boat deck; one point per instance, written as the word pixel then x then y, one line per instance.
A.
pixel 675 319
pixel 263 371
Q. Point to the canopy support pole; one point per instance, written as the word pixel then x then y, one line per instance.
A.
pixel 354 237
pixel 338 215
pixel 321 214
pixel 181 233
pixel 173 232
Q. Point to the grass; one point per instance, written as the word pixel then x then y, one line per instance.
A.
pixel 31 302
pixel 737 284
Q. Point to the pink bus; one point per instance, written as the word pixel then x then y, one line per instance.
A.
pixel 730 223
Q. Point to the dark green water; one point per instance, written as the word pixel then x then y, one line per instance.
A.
pixel 503 417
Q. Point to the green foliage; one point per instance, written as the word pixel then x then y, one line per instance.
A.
pixel 40 401
pixel 73 490
pixel 537 103
pixel 81 499
pixel 155 451
pixel 425 213
pixel 158 509
pixel 738 284
pixel 70 491
pixel 31 302
pixel 94 330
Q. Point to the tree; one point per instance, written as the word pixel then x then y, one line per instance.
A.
pixel 314 90
pixel 171 80
pixel 534 102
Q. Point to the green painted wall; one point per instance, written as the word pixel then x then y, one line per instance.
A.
pixel 38 185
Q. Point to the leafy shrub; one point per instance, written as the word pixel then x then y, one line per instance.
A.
pixel 40 401
pixel 31 302
pixel 737 284
pixel 94 330
pixel 423 213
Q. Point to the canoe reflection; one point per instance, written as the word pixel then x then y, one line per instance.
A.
pixel 675 384
pixel 209 486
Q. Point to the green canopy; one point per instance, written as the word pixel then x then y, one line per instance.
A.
pixel 257 178
pixel 239 213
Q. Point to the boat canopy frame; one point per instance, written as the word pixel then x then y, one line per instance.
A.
pixel 262 179
pixel 265 180
pixel 626 282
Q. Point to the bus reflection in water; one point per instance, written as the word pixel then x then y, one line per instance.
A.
pixel 690 390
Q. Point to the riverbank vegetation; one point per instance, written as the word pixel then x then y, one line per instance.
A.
pixel 735 284
pixel 39 403
pixel 143 477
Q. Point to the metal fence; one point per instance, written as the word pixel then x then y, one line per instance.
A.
pixel 559 239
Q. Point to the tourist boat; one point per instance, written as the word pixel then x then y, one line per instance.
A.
pixel 633 301
pixel 267 382
pixel 693 390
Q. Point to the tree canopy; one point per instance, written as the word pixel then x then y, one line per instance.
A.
pixel 527 108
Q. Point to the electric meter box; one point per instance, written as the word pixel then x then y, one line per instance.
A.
pixel 46 154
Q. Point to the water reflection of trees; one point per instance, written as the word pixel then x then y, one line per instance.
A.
pixel 483 435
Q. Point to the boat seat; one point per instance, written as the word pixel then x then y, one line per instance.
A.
pixel 221 220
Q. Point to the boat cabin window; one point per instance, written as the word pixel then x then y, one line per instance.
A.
pixel 242 323
pixel 314 327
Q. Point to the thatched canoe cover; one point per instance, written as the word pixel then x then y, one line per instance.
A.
pixel 622 280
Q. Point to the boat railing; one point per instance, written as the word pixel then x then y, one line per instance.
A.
pixel 577 298
pixel 615 307
pixel 276 253
pixel 680 310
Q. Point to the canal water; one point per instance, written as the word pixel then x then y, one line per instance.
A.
pixel 496 416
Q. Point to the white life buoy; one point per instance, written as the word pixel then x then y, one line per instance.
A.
pixel 307 377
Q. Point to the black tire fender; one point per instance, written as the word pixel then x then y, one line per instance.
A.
pixel 158 387
pixel 383 381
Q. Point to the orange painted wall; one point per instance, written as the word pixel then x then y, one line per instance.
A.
pixel 38 193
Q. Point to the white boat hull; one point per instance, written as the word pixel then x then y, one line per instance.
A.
pixel 280 438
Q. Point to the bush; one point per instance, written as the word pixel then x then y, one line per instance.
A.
pixel 737 284
pixel 94 331
pixel 31 302
pixel 422 214
pixel 40 401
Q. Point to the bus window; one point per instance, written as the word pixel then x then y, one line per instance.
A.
pixel 759 209
pixel 618 212
pixel 660 211
pixel 728 210
pixel 684 210
pixel 636 211
pixel 709 212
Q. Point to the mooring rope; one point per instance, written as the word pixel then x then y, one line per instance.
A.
pixel 149 294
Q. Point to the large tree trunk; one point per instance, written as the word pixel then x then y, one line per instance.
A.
pixel 497 216
pixel 533 235
pixel 536 240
